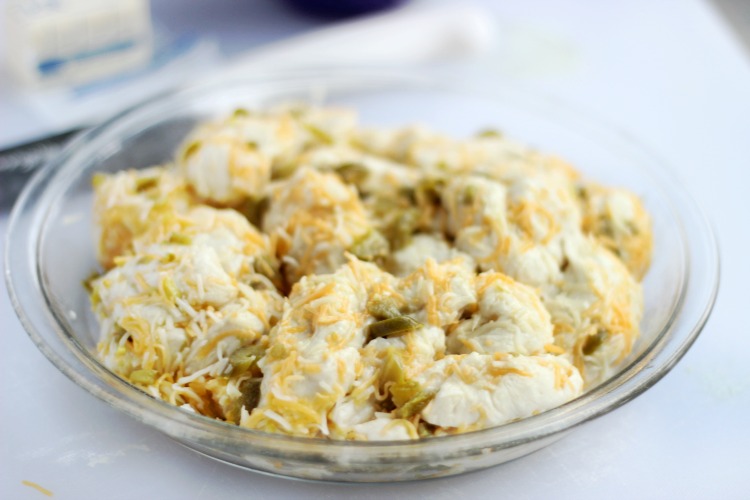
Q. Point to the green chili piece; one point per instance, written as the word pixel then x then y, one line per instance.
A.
pixel 278 351
pixel 632 228
pixel 168 258
pixel 383 308
pixel 246 358
pixel 414 405
pixel 88 283
pixel 250 389
pixel 192 148
pixel 319 134
pixel 145 259
pixel 283 170
pixel 606 228
pixel 428 191
pixel 143 377
pixel 180 239
pixel 254 209
pixel 98 179
pixel 370 245
pixel 425 430
pixel 404 391
pixel 392 370
pixel 393 327
pixel 489 132
pixel 593 342
pixel 401 230
pixel 145 183
pixel 469 195
pixel 95 298
pixel 352 172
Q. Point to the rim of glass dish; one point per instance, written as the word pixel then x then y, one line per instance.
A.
pixel 640 374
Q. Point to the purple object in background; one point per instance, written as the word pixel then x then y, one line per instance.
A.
pixel 342 8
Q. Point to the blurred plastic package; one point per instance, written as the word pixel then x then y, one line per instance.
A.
pixel 72 42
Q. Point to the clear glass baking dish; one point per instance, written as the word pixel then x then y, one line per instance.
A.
pixel 50 251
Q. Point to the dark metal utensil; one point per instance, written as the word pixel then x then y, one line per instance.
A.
pixel 18 163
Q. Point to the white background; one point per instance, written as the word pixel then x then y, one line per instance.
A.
pixel 667 71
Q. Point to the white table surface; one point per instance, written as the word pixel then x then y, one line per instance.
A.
pixel 669 72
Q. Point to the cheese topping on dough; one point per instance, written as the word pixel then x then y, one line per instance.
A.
pixel 296 273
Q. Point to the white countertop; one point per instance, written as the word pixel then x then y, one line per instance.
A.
pixel 670 73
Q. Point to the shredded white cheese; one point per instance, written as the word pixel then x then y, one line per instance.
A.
pixel 294 272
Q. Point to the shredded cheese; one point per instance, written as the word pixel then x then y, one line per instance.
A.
pixel 293 272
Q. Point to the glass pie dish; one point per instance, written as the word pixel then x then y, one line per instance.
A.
pixel 50 251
